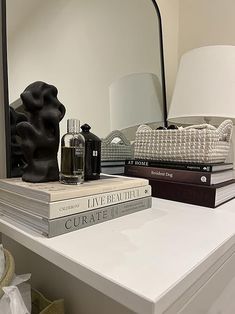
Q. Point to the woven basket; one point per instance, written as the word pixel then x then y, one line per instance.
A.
pixel 116 151
pixel 9 271
pixel 201 144
pixel 41 305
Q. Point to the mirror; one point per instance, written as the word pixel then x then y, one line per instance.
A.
pixel 83 47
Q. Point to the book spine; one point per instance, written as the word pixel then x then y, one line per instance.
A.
pixel 186 193
pixel 112 169
pixel 173 175
pixel 71 223
pixel 9 218
pixel 182 166
pixel 75 205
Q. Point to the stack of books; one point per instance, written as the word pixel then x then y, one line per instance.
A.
pixel 199 184
pixel 52 208
pixel 113 166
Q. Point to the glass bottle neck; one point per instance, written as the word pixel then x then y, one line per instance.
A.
pixel 73 126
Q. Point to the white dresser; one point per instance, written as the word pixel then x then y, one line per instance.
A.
pixel 172 258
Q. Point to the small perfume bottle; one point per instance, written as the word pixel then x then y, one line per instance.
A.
pixel 72 154
pixel 92 153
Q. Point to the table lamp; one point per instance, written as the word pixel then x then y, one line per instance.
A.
pixel 135 99
pixel 205 86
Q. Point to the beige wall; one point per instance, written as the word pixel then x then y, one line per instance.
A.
pixel 206 22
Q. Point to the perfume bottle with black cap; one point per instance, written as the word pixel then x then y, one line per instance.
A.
pixel 72 154
pixel 92 153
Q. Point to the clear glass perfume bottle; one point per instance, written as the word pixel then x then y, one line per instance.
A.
pixel 72 154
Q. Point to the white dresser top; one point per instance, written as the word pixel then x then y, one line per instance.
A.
pixel 146 260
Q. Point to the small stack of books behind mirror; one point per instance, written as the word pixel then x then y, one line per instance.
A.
pixel 113 166
pixel 207 185
pixel 52 208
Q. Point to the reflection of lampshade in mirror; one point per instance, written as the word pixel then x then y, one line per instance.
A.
pixel 135 99
pixel 205 86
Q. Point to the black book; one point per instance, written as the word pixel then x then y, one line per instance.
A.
pixel 180 165
pixel 208 196
pixel 110 163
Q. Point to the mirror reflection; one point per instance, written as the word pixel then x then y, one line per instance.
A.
pixel 102 55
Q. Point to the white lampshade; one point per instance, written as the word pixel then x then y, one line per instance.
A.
pixel 135 99
pixel 205 86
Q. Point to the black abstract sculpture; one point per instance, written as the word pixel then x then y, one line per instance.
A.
pixel 17 157
pixel 40 135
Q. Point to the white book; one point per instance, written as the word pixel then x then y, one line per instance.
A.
pixel 55 191
pixel 74 205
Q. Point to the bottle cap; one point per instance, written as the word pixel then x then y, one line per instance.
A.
pixel 73 126
pixel 85 128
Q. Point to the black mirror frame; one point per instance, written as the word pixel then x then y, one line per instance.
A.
pixel 4 77
pixel 162 62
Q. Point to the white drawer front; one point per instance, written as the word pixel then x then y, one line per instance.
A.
pixel 217 295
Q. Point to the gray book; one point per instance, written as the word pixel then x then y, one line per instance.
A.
pixel 53 227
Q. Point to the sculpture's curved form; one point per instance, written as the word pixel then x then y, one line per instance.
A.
pixel 17 158
pixel 40 135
